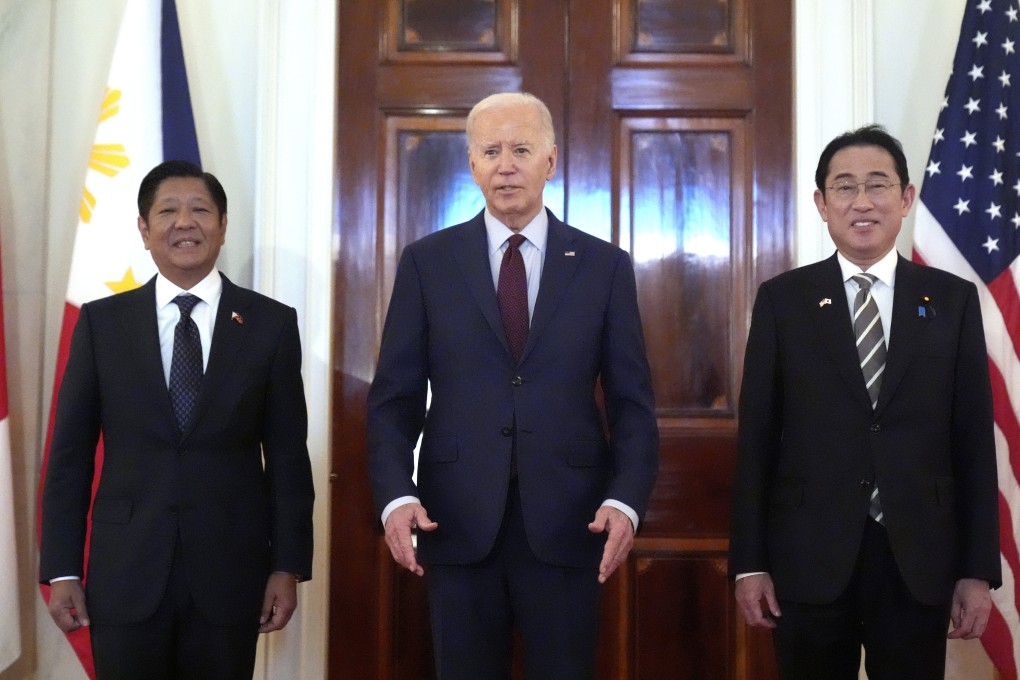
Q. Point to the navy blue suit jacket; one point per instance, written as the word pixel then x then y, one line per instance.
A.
pixel 236 487
pixel 443 327
pixel 810 443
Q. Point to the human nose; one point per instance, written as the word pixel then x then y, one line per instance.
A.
pixel 184 219
pixel 507 162
pixel 861 199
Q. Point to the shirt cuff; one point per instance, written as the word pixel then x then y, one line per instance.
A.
pixel 625 509
pixel 750 573
pixel 396 503
pixel 64 578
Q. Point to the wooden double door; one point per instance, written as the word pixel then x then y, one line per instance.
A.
pixel 674 125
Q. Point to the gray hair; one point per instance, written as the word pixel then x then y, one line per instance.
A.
pixel 514 99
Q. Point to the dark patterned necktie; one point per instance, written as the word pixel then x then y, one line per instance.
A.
pixel 871 351
pixel 512 295
pixel 186 363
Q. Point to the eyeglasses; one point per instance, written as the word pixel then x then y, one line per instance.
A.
pixel 847 191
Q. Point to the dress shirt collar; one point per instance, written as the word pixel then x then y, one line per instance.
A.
pixel 208 289
pixel 536 231
pixel 884 269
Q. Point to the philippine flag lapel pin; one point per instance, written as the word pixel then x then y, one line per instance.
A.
pixel 569 253
pixel 237 318
pixel 823 302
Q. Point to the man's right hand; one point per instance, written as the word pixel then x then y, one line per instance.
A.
pixel 399 525
pixel 756 599
pixel 67 605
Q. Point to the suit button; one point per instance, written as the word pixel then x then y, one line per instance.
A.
pixel 173 509
pixel 865 484
pixel 506 431
pixel 517 381
pixel 875 428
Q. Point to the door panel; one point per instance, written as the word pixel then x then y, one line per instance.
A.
pixel 673 120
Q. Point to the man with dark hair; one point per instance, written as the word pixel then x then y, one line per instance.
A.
pixel 202 521
pixel 865 498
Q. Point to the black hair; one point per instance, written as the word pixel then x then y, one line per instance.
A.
pixel 869 135
pixel 169 169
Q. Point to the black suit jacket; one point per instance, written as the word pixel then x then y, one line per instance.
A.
pixel 236 487
pixel 443 327
pixel 810 444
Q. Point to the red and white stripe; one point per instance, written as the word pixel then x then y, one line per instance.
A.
pixel 1000 311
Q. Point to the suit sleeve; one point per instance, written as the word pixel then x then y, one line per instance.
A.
pixel 973 447
pixel 630 405
pixel 758 440
pixel 288 469
pixel 397 397
pixel 67 487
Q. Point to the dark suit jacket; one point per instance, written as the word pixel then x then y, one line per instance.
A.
pixel 444 327
pixel 236 487
pixel 810 443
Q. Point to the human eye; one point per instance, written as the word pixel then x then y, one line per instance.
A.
pixel 876 187
pixel 844 189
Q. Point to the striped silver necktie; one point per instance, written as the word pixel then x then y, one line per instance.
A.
pixel 871 350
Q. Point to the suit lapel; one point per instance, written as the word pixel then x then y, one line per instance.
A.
pixel 229 337
pixel 473 260
pixel 139 322
pixel 563 252
pixel 907 327
pixel 834 336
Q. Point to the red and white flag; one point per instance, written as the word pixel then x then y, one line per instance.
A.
pixel 10 621
pixel 968 222
pixel 145 119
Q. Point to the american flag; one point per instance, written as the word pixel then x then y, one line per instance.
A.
pixel 968 222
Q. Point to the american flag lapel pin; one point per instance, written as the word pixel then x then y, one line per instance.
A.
pixel 237 318
pixel 824 301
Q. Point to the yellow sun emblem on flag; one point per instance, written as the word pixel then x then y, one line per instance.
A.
pixel 107 159
pixel 125 284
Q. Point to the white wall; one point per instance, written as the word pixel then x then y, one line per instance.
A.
pixel 262 83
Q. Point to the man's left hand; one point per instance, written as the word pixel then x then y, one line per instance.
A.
pixel 972 603
pixel 619 543
pixel 279 602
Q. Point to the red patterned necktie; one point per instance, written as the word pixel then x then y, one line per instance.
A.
pixel 512 295
pixel 186 362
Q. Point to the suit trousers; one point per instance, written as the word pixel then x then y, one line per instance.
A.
pixel 475 609
pixel 175 643
pixel 903 639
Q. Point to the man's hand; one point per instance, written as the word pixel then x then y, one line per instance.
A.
pixel 619 542
pixel 756 598
pixel 279 602
pixel 972 603
pixel 399 524
pixel 67 605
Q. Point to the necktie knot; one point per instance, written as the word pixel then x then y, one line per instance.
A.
pixel 186 302
pixel 864 281
pixel 516 240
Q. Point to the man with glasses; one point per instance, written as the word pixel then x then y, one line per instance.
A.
pixel 865 498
